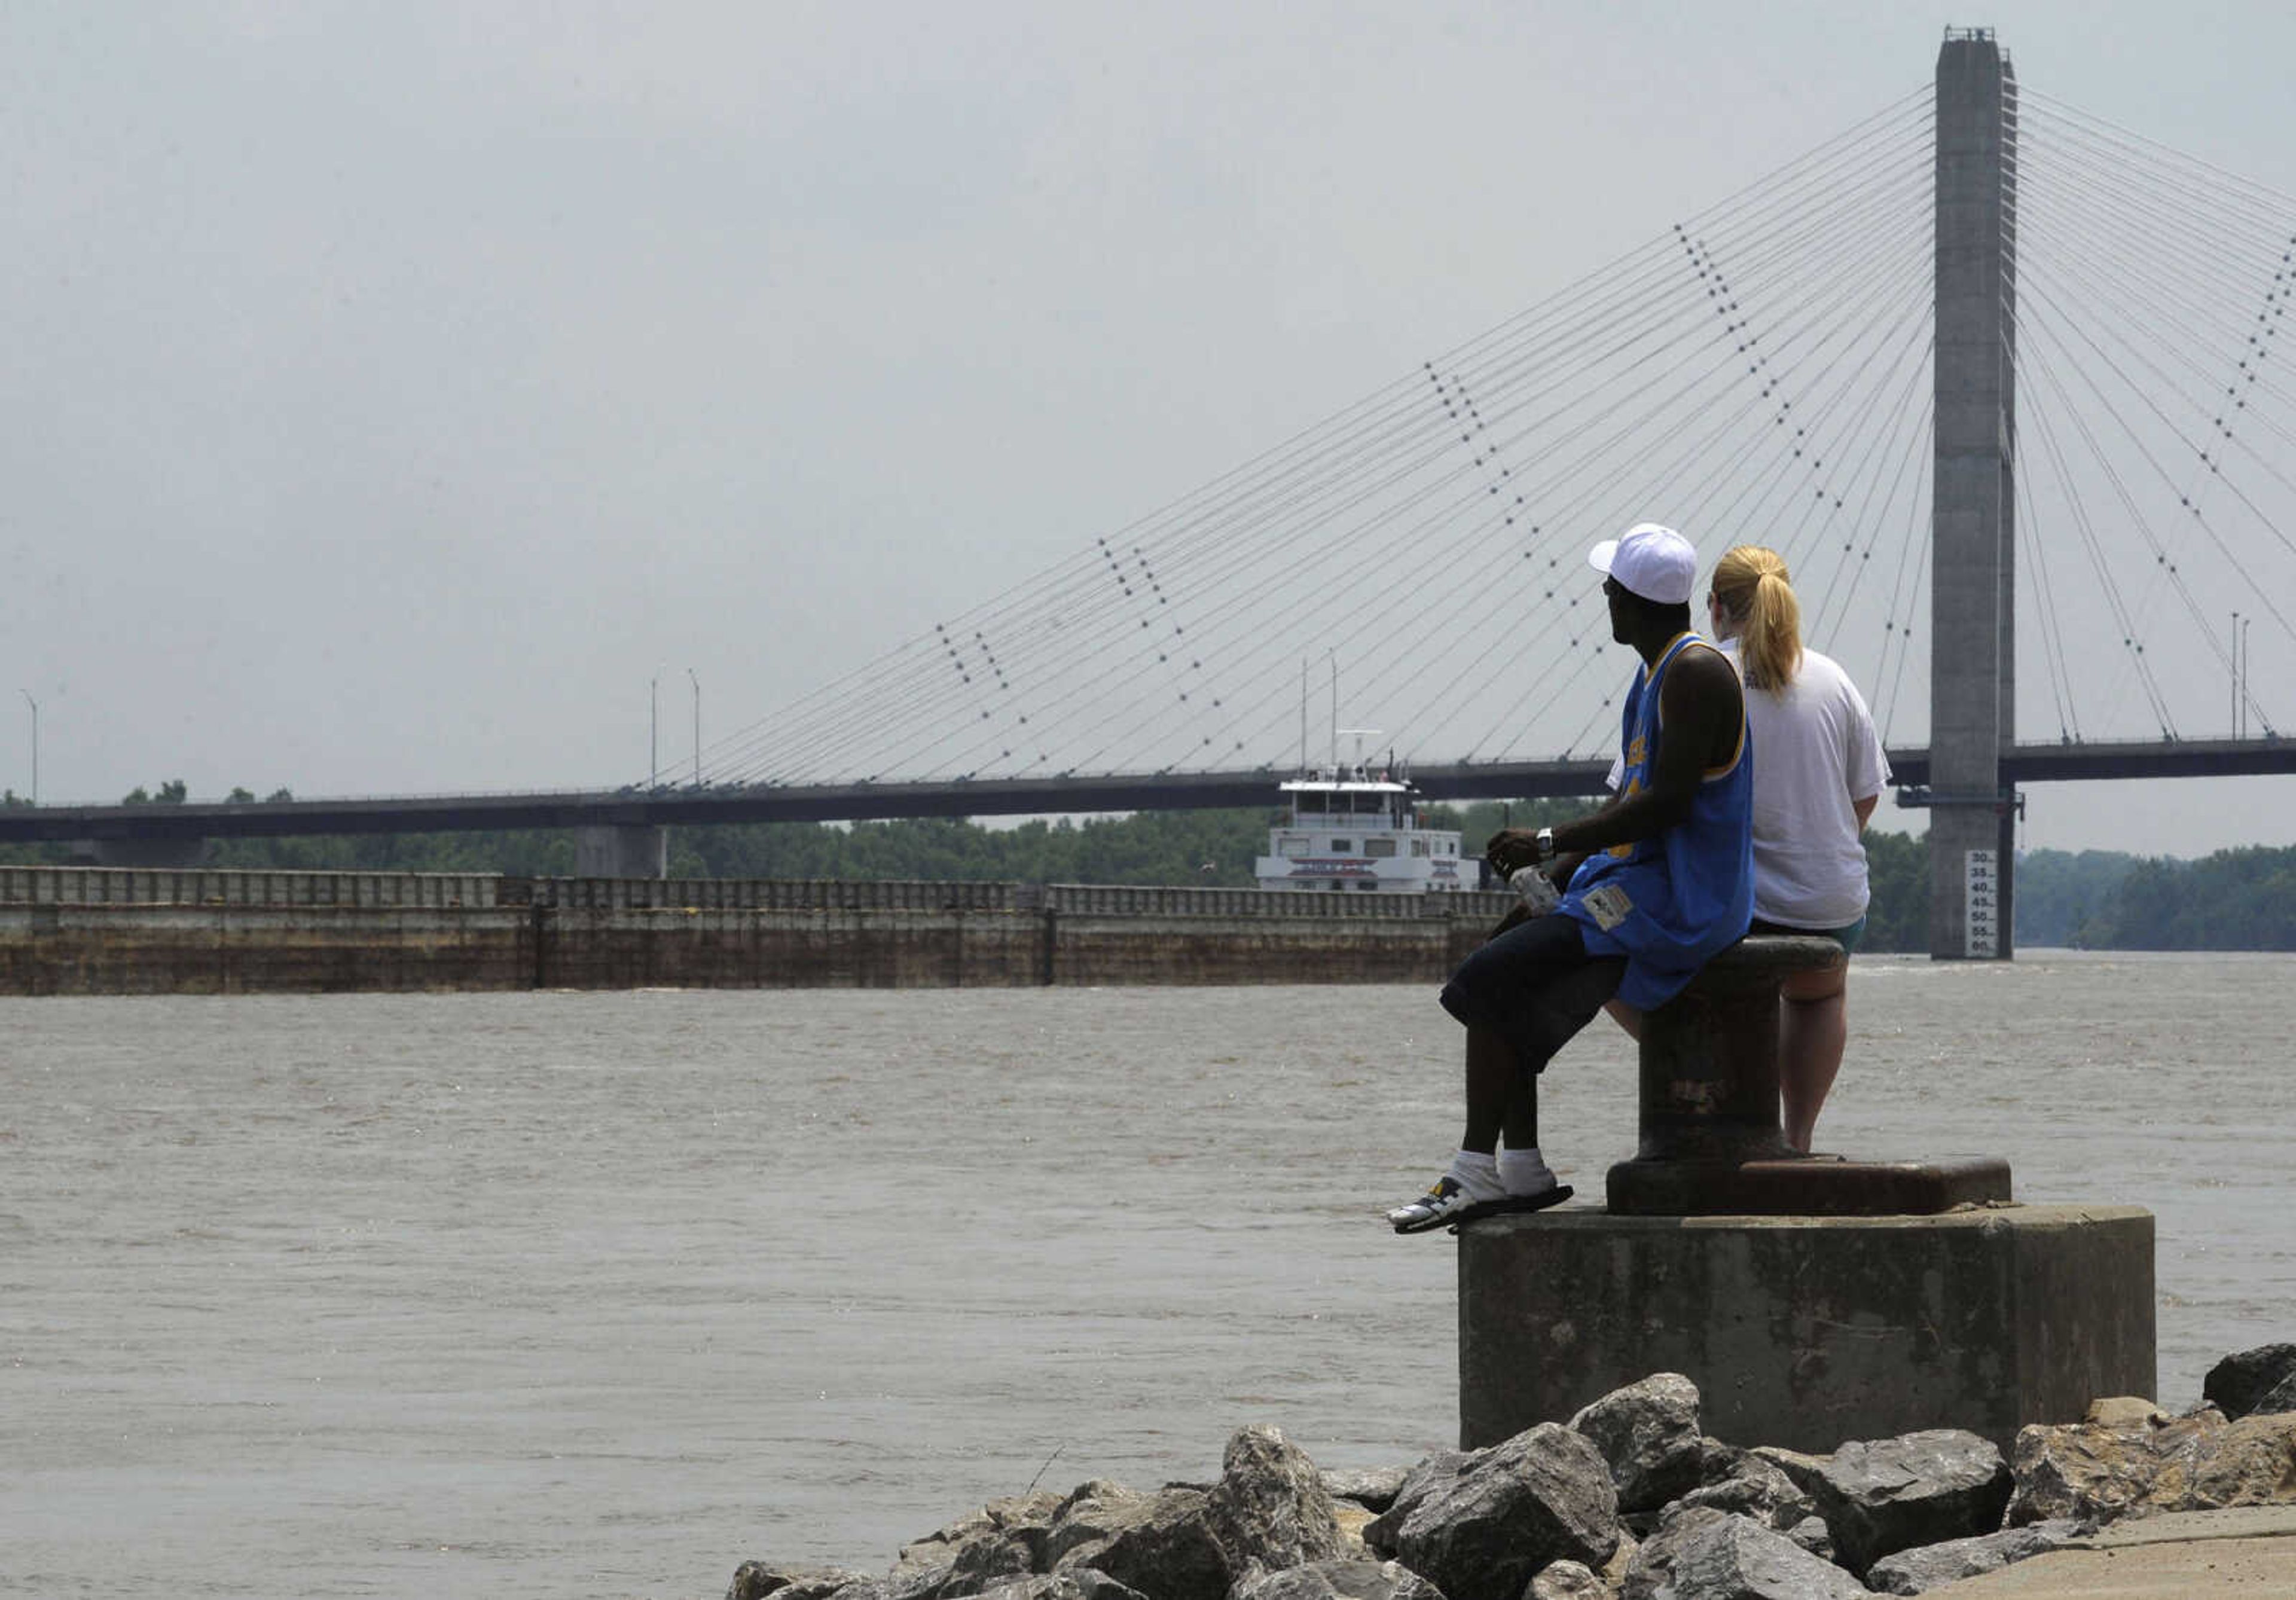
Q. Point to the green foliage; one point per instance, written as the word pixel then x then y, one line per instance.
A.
pixel 2243 900
pixel 35 855
pixel 1897 869
pixel 2060 895
pixel 533 852
pixel 1205 848
pixel 1202 848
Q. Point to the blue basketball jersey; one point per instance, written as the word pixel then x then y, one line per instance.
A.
pixel 1669 903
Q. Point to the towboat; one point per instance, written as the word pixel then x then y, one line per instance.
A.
pixel 1357 829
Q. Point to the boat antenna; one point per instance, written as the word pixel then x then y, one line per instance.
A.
pixel 1303 716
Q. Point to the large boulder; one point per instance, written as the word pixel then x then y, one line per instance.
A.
pixel 2097 1471
pixel 1374 1486
pixel 1160 1544
pixel 1084 1584
pixel 1934 1566
pixel 1649 1434
pixel 1882 1496
pixel 2240 1383
pixel 1568 1580
pixel 1338 1581
pixel 1432 1476
pixel 2125 1411
pixel 1003 1540
pixel 1754 1488
pixel 1813 1535
pixel 1706 1554
pixel 758 1579
pixel 1270 1510
pixel 1485 1524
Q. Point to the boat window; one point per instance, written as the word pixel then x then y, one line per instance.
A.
pixel 1370 885
pixel 1419 847
pixel 1294 845
pixel 1341 847
pixel 1379 846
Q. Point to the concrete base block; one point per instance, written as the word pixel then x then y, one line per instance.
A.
pixel 1808 1331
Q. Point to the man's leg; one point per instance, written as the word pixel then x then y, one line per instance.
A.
pixel 1522 997
pixel 1813 1027
pixel 1497 1089
pixel 1523 1172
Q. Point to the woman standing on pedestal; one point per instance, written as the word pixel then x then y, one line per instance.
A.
pixel 1818 771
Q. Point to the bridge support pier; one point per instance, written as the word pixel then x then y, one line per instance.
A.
pixel 1972 587
pixel 621 850
pixel 172 853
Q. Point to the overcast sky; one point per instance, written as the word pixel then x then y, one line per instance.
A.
pixel 396 390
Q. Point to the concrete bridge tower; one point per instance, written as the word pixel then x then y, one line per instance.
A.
pixel 1973 570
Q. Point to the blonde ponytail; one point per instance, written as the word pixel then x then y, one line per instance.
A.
pixel 1755 592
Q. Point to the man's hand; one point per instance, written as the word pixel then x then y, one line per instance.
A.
pixel 1511 848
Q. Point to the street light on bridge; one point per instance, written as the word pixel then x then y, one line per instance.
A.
pixel 35 704
pixel 697 727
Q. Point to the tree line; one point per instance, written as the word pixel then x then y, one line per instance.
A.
pixel 2240 899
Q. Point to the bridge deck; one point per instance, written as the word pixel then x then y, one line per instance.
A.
pixel 1014 796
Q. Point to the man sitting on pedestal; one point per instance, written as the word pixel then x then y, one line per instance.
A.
pixel 1659 879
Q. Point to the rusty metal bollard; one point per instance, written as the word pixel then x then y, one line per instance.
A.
pixel 1710 1055
pixel 1710 1140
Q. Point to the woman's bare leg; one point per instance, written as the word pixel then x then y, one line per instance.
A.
pixel 1813 1027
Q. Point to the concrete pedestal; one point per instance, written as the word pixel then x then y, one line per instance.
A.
pixel 1805 1331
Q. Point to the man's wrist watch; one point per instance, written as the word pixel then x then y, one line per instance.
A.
pixel 1546 837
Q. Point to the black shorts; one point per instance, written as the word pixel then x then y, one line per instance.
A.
pixel 1536 985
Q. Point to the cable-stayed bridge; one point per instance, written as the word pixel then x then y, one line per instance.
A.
pixel 1985 367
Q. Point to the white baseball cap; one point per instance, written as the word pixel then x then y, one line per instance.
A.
pixel 1649 560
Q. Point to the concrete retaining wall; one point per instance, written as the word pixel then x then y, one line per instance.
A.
pixel 144 950
pixel 117 930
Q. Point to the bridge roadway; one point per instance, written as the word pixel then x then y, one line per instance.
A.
pixel 1011 797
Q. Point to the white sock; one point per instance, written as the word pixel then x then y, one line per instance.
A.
pixel 1477 1174
pixel 1524 1171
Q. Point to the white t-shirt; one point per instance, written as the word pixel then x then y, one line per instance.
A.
pixel 1815 753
